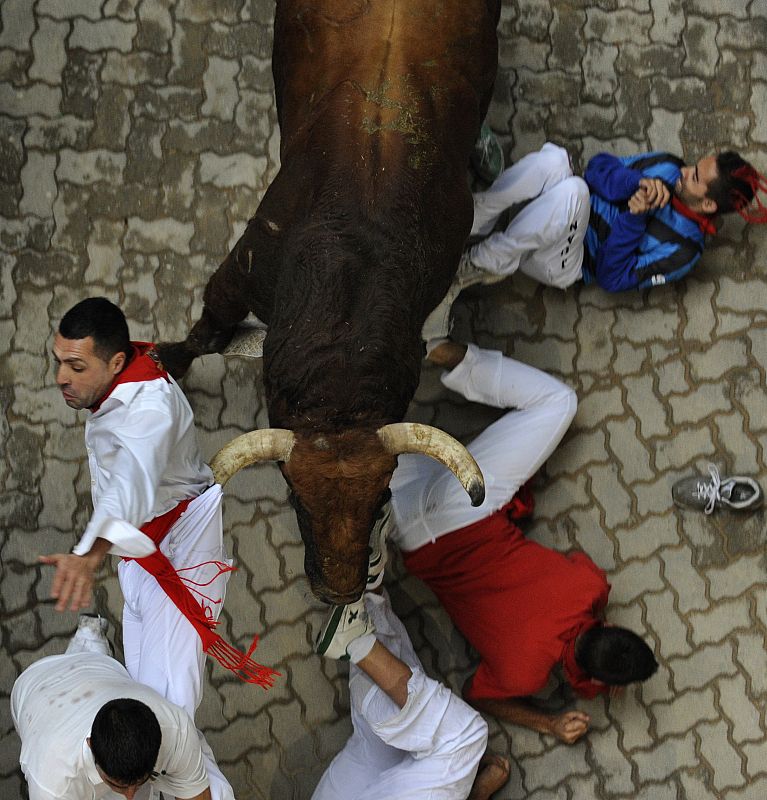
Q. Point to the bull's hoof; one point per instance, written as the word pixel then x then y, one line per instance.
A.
pixel 176 357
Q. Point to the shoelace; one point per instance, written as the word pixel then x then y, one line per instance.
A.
pixel 712 492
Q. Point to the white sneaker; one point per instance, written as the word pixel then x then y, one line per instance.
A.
pixel 90 636
pixel 343 625
pixel 379 554
pixel 739 492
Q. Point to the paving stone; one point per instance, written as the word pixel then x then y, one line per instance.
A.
pixel 102 35
pixel 753 657
pixel 709 626
pixel 685 447
pixel 220 88
pixel 684 712
pixel 38 180
pixel 645 538
pixel 699 404
pixel 665 758
pixel 738 443
pixel 737 577
pixel 18 24
pixel 48 50
pixel 688 586
pixel 548 769
pixel 665 130
pixel 704 665
pixel 635 579
pixel 699 40
pixel 233 170
pixel 745 717
pixel 66 9
pixel 716 749
pixel 664 619
pixel 35 99
pixel 148 235
pixel 641 398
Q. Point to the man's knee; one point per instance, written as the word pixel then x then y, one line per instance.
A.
pixel 555 161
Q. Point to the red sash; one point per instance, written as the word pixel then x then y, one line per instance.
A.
pixel 180 594
pixel 146 366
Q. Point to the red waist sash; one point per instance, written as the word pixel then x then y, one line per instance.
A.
pixel 180 594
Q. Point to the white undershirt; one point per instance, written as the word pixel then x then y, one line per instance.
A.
pixel 53 704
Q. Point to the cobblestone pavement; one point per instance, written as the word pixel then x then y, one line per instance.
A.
pixel 137 136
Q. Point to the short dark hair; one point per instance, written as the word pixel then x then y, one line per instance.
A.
pixel 728 190
pixel 104 321
pixel 615 656
pixel 125 740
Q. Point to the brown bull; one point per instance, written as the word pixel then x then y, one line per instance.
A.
pixel 355 242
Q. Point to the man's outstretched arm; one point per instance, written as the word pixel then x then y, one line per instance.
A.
pixel 568 727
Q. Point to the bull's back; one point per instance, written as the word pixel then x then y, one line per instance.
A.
pixel 402 80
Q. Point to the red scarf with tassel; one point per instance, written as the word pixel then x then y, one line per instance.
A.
pixel 145 365
pixel 705 223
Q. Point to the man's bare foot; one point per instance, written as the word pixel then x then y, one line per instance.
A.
pixel 447 354
pixel 492 774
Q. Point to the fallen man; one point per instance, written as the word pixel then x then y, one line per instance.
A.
pixel 413 738
pixel 525 608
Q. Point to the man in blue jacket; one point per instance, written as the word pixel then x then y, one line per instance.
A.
pixel 629 223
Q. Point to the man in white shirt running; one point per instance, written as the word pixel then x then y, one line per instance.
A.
pixel 88 730
pixel 146 472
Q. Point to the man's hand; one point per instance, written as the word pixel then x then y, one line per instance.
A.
pixel 656 192
pixel 75 575
pixel 638 203
pixel 570 726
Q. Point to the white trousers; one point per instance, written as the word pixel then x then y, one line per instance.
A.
pixel 162 648
pixel 428 749
pixel 545 239
pixel 427 499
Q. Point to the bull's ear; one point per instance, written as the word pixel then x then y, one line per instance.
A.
pixel 270 444
pixel 414 437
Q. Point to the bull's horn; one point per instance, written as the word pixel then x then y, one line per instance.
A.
pixel 270 444
pixel 414 437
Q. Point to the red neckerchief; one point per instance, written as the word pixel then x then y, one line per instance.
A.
pixel 705 223
pixel 581 681
pixel 144 365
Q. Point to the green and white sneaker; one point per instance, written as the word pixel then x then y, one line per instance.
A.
pixel 344 624
pixel 737 493
pixel 379 554
pixel 487 156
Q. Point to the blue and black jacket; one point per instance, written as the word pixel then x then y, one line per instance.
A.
pixel 636 251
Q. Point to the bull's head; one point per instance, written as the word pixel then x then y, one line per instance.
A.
pixel 339 484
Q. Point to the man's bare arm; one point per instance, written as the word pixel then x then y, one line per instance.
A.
pixel 567 727
pixel 203 795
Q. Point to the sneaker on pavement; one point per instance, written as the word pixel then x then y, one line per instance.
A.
pixel 738 493
pixel 379 555
pixel 343 625
pixel 487 155
pixel 90 636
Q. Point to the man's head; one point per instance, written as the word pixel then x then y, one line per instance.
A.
pixel 125 740
pixel 716 184
pixel 615 656
pixel 91 348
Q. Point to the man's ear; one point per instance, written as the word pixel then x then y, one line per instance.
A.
pixel 88 741
pixel 117 362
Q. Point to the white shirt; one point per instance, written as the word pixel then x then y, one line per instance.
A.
pixel 144 459
pixel 54 703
